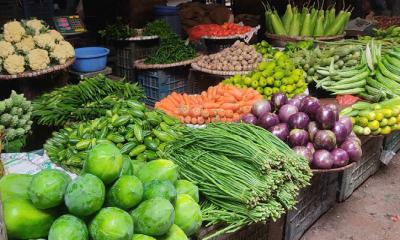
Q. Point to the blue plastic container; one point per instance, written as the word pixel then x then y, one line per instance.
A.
pixel 90 59
pixel 170 15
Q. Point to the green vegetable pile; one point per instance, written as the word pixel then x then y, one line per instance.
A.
pixel 376 119
pixel 15 121
pixel 277 75
pixel 158 28
pixel 172 49
pixel 307 22
pixel 265 49
pixel 114 198
pixel 85 101
pixel 245 173
pixel 118 30
pixel 390 32
pixel 311 60
pixel 136 131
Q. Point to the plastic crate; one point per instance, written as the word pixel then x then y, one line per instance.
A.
pixel 391 146
pixel 127 73
pixel 40 9
pixel 313 202
pixel 200 81
pixel 158 84
pixel 367 166
pixel 130 51
pixel 260 231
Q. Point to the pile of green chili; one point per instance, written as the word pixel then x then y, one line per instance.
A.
pixel 245 174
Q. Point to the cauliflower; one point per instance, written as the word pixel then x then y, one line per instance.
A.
pixel 26 44
pixel 38 59
pixel 35 25
pixel 44 40
pixel 13 31
pixel 6 49
pixel 14 64
pixel 59 53
pixel 68 48
pixel 56 35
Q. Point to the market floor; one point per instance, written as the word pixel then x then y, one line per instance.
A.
pixel 371 213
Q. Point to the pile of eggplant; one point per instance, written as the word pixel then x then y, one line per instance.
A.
pixel 313 130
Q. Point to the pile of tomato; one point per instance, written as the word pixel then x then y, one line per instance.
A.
pixel 215 30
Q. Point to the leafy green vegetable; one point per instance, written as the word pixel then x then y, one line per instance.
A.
pixel 159 28
pixel 118 30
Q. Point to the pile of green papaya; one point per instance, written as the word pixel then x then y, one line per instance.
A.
pixel 114 198
pixel 137 131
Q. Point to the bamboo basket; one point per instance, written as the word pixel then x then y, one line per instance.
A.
pixel 281 41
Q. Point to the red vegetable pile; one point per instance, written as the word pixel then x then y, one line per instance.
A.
pixel 312 130
pixel 215 30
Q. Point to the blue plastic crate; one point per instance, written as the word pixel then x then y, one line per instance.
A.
pixel 158 84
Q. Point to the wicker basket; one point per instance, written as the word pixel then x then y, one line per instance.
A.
pixel 281 41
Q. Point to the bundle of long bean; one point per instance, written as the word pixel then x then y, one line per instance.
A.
pixel 245 173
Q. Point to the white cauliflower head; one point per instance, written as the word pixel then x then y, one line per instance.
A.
pixel 38 59
pixel 14 64
pixel 13 31
pixel 59 53
pixel 44 40
pixel 68 48
pixel 6 49
pixel 36 25
pixel 56 35
pixel 26 44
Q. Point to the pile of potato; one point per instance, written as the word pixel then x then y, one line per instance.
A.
pixel 239 57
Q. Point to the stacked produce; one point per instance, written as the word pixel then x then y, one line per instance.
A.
pixel 221 103
pixel 307 22
pixel 215 30
pixel 15 121
pixel 113 199
pixel 85 101
pixel 277 75
pixel 390 32
pixel 136 131
pixel 30 45
pixel 238 57
pixel 245 174
pixel 314 131
pixel 172 49
pixel 265 49
pixel 312 60
pixel 375 78
pixel 376 119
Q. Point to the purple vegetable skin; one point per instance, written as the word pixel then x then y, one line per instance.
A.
pixel 310 105
pixel 322 159
pixel 295 102
pixel 298 120
pixel 340 131
pixel 281 131
pixel 340 157
pixel 325 139
pixel 298 137
pixel 278 100
pixel 310 146
pixel 347 122
pixel 325 118
pixel 249 118
pixel 286 111
pixel 305 152
pixel 260 108
pixel 312 130
pixel 353 149
pixel 268 120
pixel 334 108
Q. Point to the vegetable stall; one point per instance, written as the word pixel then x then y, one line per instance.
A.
pixel 293 128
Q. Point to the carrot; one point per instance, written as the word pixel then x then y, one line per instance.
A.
pixel 184 110
pixel 221 112
pixel 181 119
pixel 236 117
pixel 195 111
pixel 210 105
pixel 205 113
pixel 229 113
pixel 194 120
pixel 188 119
pixel 204 97
pixel 245 109
pixel 227 99
pixel 207 121
pixel 223 119
pixel 230 106
pixel 200 120
pixel 186 99
pixel 229 120
pixel 213 112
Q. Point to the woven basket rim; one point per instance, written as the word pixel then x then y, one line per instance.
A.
pixel 139 64
pixel 138 38
pixel 301 38
pixel 217 72
pixel 29 74
pixel 240 36
pixel 341 169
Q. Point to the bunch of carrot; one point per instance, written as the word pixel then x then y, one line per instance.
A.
pixel 221 103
